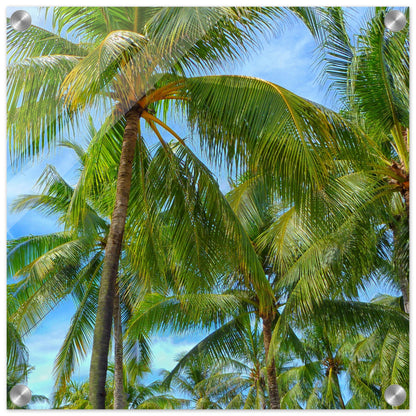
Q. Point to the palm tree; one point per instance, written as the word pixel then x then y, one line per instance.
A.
pixel 363 151
pixel 75 396
pixel 369 75
pixel 139 396
pixel 54 266
pixel 232 301
pixel 130 59
pixel 312 271
pixel 153 396
pixel 277 130
pixel 370 357
pixel 316 383
pixel 371 157
pixel 252 365
pixel 242 374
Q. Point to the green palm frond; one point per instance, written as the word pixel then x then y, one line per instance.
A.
pixel 149 313
pixel 222 344
pixel 92 23
pixel 337 49
pixel 40 42
pixel 390 104
pixel 98 173
pixel 283 134
pixel 25 250
pixel 79 336
pixel 114 58
pixel 350 317
pixel 37 116
pixel 17 352
pixel 202 39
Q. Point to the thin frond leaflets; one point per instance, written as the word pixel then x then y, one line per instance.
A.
pixel 222 344
pixel 92 77
pixel 39 42
pixel 267 127
pixel 214 209
pixel 337 50
pixel 17 352
pixel 36 115
pixel 211 310
pixel 79 337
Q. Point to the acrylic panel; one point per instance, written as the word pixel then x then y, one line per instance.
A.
pixel 208 207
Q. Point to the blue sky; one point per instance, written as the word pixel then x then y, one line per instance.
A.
pixel 285 60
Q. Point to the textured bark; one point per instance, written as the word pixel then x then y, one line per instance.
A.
pixel 270 367
pixel 120 401
pixel 103 323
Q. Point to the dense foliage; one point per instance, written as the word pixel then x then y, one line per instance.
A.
pixel 273 271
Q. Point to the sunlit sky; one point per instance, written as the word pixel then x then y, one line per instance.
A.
pixel 286 60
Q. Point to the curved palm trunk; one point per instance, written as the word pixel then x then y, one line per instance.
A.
pixel 270 367
pixel 119 394
pixel 102 330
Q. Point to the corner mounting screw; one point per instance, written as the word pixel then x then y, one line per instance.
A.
pixel 20 395
pixel 20 20
pixel 395 20
pixel 395 395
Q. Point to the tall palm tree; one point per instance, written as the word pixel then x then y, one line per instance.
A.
pixel 276 129
pixel 308 269
pixel 370 74
pixel 55 266
pixel 127 59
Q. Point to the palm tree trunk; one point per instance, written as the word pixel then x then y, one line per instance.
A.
pixel 270 366
pixel 119 394
pixel 102 330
